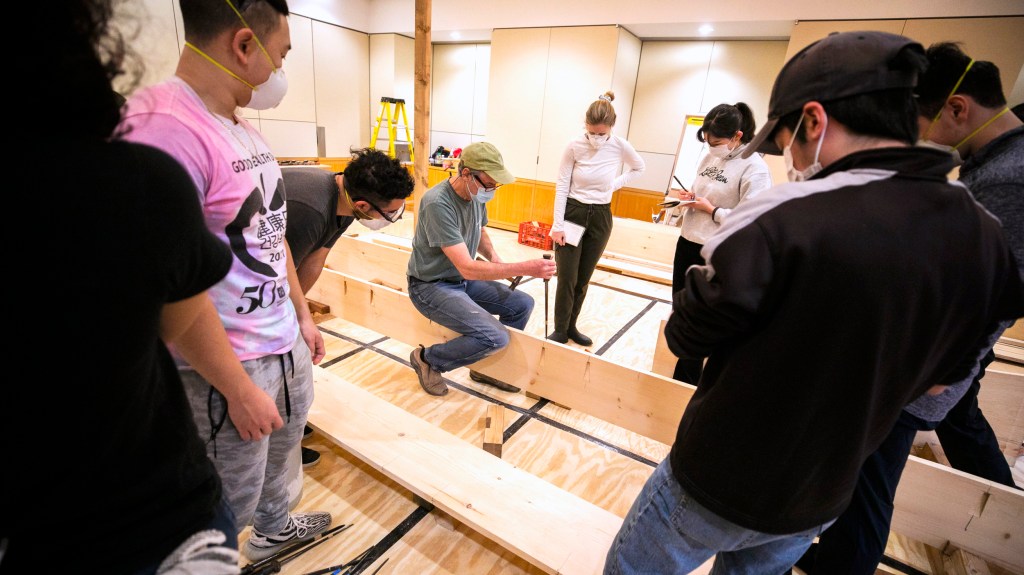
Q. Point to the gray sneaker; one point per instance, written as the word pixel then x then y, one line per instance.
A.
pixel 430 379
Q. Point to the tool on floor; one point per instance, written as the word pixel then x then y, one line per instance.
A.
pixel 274 563
pixel 388 119
pixel 356 565
pixel 547 257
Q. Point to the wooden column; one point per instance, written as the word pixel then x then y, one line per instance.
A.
pixel 424 56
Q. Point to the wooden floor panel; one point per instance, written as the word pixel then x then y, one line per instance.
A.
pixel 607 479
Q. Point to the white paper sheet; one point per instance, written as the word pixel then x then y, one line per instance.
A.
pixel 573 233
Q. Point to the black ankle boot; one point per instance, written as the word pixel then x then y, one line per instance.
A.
pixel 558 337
pixel 578 337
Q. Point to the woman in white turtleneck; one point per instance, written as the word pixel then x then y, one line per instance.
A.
pixel 587 177
pixel 723 180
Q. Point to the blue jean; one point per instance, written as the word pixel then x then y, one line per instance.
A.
pixel 468 307
pixel 667 531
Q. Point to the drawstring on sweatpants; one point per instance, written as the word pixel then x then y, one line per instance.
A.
pixel 217 424
pixel 284 375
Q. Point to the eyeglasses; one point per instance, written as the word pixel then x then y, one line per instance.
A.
pixel 391 217
pixel 486 187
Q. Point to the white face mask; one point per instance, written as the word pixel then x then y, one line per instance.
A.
pixel 807 173
pixel 597 141
pixel 270 93
pixel 374 224
pixel 719 151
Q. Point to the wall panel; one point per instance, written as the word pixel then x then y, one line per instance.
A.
pixel 580 67
pixel 515 100
pixel 299 103
pixel 342 77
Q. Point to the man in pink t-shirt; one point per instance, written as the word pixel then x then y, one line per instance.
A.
pixel 234 58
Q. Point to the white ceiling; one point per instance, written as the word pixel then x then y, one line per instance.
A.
pixel 474 20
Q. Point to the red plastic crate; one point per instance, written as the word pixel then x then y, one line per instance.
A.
pixel 535 234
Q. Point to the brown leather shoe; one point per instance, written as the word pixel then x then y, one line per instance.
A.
pixel 488 380
pixel 430 379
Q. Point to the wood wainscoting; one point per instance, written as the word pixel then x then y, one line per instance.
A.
pixel 524 200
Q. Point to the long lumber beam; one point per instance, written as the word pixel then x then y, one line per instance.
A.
pixel 553 529
pixel 935 504
pixel 642 402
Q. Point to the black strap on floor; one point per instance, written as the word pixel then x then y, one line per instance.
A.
pixel 608 344
pixel 394 536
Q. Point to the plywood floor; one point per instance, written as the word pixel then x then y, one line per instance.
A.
pixel 597 461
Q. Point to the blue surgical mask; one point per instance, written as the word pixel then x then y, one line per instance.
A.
pixel 483 194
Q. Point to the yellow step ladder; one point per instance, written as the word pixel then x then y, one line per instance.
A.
pixel 388 118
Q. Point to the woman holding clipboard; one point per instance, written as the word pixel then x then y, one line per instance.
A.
pixel 723 180
pixel 587 177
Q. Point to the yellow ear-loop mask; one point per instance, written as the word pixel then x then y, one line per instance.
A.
pixel 951 93
pixel 221 66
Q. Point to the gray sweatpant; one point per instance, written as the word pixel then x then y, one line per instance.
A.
pixel 255 473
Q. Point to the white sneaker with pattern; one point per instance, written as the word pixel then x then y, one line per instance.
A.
pixel 301 526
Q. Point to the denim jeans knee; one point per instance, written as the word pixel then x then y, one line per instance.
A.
pixel 468 308
pixel 667 531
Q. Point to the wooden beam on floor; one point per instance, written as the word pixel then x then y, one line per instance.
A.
pixel 553 529
pixel 664 361
pixel 1008 349
pixel 642 402
pixel 494 429
pixel 643 240
pixel 940 506
pixel 317 307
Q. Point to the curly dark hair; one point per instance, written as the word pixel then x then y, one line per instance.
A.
pixel 376 177
pixel 89 55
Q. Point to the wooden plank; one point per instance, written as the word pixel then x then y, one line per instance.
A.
pixel 643 402
pixel 1001 399
pixel 937 505
pixel 494 428
pixel 317 307
pixel 664 362
pixel 643 240
pixel 635 270
pixel 549 527
pixel 378 264
pixel 640 262
pixel 1009 350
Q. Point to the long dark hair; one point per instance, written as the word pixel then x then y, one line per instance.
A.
pixel 724 120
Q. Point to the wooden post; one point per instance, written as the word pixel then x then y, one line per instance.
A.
pixel 494 429
pixel 421 114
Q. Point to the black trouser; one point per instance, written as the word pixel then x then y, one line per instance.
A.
pixel 855 543
pixel 687 254
pixel 967 439
pixel 576 264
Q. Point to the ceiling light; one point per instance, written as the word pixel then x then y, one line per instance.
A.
pixel 456 35
pixel 706 29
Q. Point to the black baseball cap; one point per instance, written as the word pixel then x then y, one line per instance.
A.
pixel 840 65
